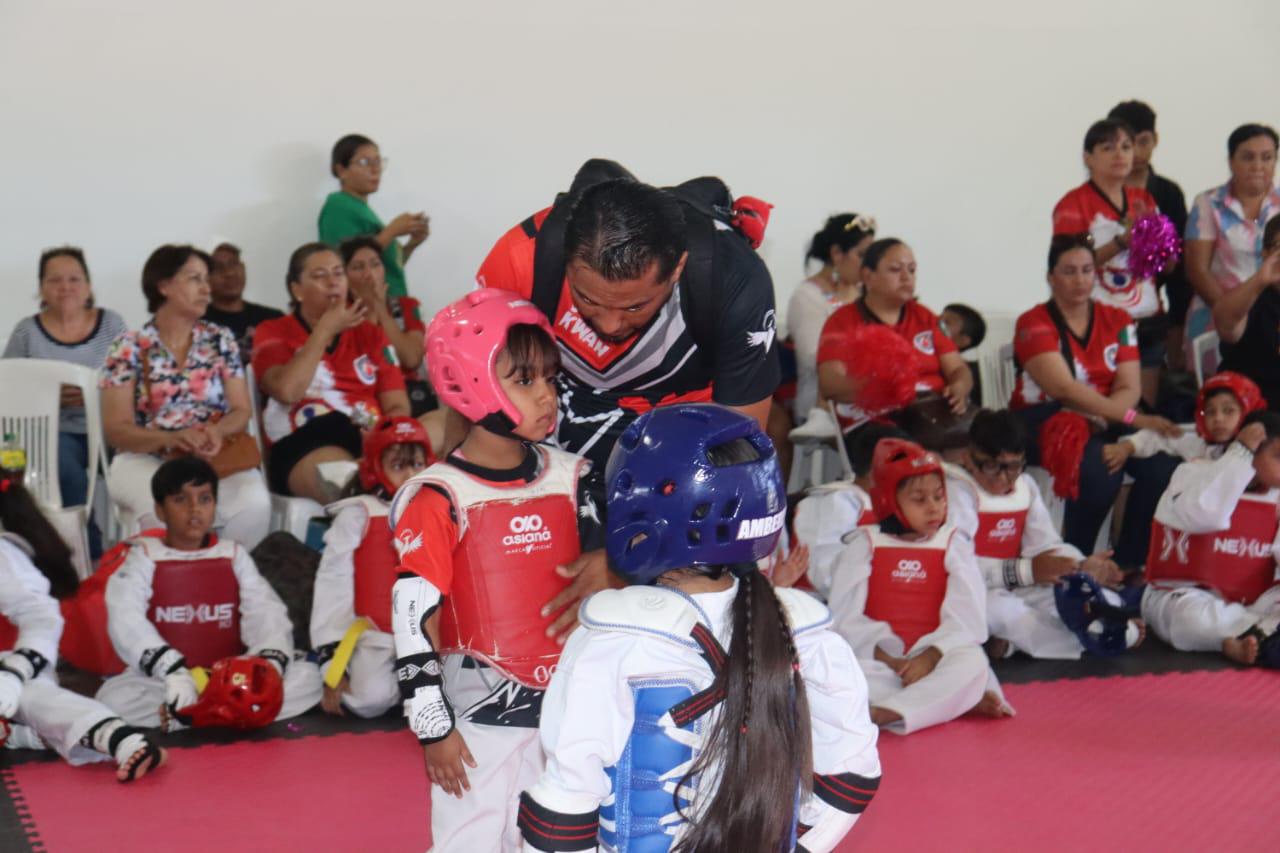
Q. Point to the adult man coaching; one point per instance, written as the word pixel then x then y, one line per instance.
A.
pixel 656 297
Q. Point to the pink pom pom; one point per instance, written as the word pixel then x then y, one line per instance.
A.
pixel 883 367
pixel 1154 246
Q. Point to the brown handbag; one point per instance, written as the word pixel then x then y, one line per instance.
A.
pixel 239 451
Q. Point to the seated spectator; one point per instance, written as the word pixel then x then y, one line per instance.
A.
pixel 400 317
pixel 228 306
pixel 1141 119
pixel 1224 234
pixel 357 164
pixel 1248 321
pixel 1078 354
pixel 1106 208
pixel 839 247
pixel 176 386
pixel 188 568
pixel 328 374
pixel 889 299
pixel 68 328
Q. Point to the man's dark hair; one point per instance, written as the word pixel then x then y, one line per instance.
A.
pixel 1245 132
pixel 996 432
pixel 164 264
pixel 1063 243
pixel 1106 130
pixel 1137 115
pixel 348 248
pixel 860 444
pixel 1271 234
pixel 344 149
pixel 973 326
pixel 174 474
pixel 227 247
pixel 621 228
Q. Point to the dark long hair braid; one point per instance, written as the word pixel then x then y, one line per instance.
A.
pixel 20 515
pixel 760 746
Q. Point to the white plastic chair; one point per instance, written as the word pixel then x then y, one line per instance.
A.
pixel 29 410
pixel 287 513
pixel 1204 356
pixel 998 377
pixel 816 441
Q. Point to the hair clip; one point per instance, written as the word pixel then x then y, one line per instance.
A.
pixel 861 223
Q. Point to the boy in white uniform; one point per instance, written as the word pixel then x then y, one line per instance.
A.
pixel 1215 546
pixel 186 601
pixel 1019 551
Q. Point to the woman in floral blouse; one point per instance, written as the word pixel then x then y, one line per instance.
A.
pixel 177 385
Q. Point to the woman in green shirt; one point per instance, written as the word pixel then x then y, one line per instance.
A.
pixel 358 166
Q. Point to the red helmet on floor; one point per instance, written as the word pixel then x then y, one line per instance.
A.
pixel 896 460
pixel 463 342
pixel 387 433
pixel 242 693
pixel 1244 389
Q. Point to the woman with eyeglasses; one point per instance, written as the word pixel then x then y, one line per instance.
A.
pixel 328 373
pixel 839 248
pixel 1077 354
pixel 357 164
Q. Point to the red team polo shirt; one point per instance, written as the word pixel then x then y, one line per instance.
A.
pixel 1110 340
pixel 1086 210
pixel 358 366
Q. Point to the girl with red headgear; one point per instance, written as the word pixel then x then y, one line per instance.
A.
pixel 908 597
pixel 1221 406
pixel 482 537
pixel 351 611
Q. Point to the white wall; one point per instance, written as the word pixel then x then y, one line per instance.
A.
pixel 958 125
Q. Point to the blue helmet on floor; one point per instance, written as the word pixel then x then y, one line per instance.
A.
pixel 692 485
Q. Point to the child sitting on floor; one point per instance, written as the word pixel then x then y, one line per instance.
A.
pixel 1223 401
pixel 189 601
pixel 34 710
pixel 1020 552
pixel 1215 547
pixel 351 610
pixel 908 597
pixel 832 511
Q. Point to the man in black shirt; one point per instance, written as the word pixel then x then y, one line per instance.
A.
pixel 227 306
pixel 1172 203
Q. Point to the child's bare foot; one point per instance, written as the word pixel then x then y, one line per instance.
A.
pixel 884 717
pixel 997 648
pixel 143 760
pixel 1242 650
pixel 991 705
pixel 1142 632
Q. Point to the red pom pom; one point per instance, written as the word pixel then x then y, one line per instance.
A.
pixel 1154 246
pixel 1062 441
pixel 883 367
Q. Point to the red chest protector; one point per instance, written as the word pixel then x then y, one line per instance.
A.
pixel 376 568
pixel 510 541
pixel 8 635
pixel 1237 562
pixel 195 601
pixel 908 583
pixel 1002 519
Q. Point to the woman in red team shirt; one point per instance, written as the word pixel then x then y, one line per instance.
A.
pixel 1106 208
pixel 888 298
pixel 328 374
pixel 1101 383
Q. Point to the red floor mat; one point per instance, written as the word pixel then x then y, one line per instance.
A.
pixel 1167 762
pixel 1157 762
